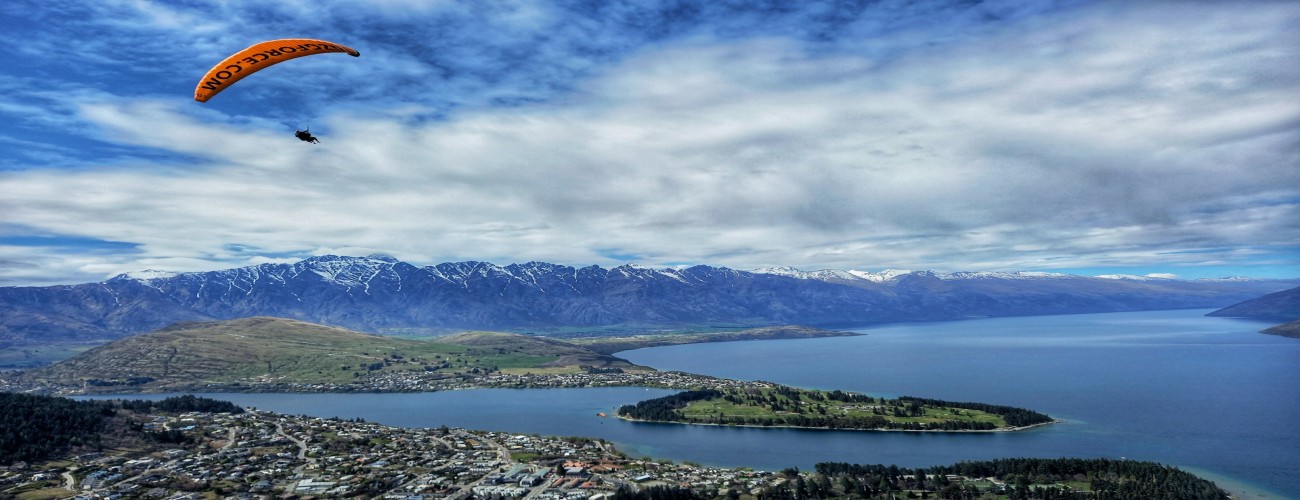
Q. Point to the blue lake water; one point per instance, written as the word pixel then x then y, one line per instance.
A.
pixel 1206 394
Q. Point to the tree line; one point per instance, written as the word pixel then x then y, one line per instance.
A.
pixel 182 404
pixel 1015 417
pixel 665 408
pixel 1027 478
pixel 35 427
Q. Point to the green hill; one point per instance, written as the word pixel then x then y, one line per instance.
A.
pixel 264 350
pixel 516 351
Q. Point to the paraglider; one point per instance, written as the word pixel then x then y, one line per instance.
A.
pixel 260 56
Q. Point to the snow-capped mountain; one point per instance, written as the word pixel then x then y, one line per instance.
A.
pixel 834 274
pixel 380 294
pixel 1131 277
pixel 892 275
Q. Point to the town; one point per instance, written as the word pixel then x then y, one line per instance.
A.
pixel 258 454
pixel 419 381
pixel 190 447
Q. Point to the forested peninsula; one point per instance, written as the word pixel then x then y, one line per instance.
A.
pixel 35 427
pixel 782 406
pixel 1059 478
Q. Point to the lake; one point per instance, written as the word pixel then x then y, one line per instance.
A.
pixel 1209 395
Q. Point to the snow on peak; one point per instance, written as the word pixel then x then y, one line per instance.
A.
pixel 891 275
pixel 148 274
pixel 461 272
pixel 382 258
pixel 832 274
pixel 348 271
pixel 781 271
pixel 1018 275
pixel 1129 277
pixel 881 277
pixel 639 271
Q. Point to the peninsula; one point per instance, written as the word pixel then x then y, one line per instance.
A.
pixel 783 406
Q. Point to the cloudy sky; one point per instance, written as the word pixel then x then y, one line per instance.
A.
pixel 1081 137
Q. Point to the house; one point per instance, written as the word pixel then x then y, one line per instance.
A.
pixel 574 471
pixel 533 479
pixel 311 486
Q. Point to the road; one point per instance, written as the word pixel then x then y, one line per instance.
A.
pixel 69 482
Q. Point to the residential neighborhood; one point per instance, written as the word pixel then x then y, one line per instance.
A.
pixel 421 381
pixel 190 447
pixel 258 454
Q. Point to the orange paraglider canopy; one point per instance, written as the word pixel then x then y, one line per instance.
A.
pixel 259 56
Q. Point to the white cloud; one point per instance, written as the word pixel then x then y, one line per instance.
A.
pixel 1126 136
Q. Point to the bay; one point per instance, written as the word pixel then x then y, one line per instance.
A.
pixel 1210 395
pixel 1207 394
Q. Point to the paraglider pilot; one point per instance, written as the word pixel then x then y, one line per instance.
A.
pixel 305 135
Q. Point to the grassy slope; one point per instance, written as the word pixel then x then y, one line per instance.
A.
pixel 519 353
pixel 32 355
pixel 265 349
pixel 706 409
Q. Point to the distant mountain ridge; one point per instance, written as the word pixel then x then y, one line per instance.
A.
pixel 379 294
pixel 1278 306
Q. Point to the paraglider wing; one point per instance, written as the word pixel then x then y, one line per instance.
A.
pixel 259 56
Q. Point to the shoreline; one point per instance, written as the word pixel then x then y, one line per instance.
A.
pixel 1003 429
pixel 1239 489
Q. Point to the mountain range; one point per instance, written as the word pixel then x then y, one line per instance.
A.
pixel 379 294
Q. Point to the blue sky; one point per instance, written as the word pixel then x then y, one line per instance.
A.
pixel 1084 137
